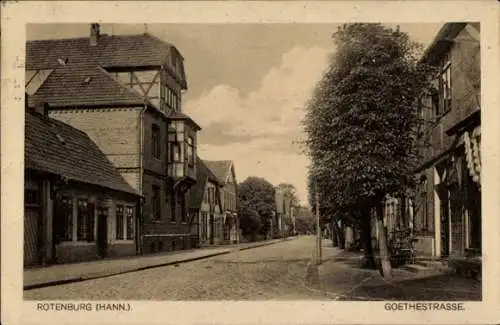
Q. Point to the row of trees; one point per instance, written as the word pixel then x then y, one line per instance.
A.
pixel 362 123
pixel 257 207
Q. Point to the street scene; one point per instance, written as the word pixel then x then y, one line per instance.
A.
pixel 253 162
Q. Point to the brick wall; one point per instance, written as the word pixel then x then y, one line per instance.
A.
pixel 156 165
pixel 114 130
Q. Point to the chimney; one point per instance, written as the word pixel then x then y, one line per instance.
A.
pixel 94 34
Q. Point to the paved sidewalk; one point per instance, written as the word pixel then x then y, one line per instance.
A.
pixel 341 278
pixel 75 272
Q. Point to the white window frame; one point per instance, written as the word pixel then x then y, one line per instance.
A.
pixel 125 239
pixel 74 231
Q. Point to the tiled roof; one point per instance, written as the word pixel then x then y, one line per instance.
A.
pixel 74 60
pixel 57 148
pixel 110 51
pixel 447 32
pixel 220 168
pixel 176 115
pixel 203 174
pixel 80 85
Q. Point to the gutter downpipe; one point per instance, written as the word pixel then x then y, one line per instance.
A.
pixel 141 179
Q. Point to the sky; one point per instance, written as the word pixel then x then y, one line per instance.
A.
pixel 247 87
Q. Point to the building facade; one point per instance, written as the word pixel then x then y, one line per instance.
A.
pixel 206 207
pixel 447 207
pixel 125 92
pixel 77 205
pixel 225 172
pixel 285 213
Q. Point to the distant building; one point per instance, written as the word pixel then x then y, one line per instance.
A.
pixel 205 207
pixel 125 92
pixel 285 213
pixel 77 206
pixel 224 171
pixel 447 209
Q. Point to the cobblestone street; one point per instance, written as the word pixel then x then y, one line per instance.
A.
pixel 270 272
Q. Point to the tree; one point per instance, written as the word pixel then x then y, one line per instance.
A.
pixel 250 222
pixel 256 197
pixel 304 221
pixel 361 124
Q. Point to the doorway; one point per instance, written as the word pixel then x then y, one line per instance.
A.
pixel 445 220
pixel 102 232
pixel 211 229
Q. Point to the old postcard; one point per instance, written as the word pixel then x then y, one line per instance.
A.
pixel 250 162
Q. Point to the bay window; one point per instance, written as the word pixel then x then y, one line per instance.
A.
pixel 190 151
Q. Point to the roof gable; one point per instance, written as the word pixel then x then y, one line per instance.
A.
pixel 57 148
pixel 203 176
pixel 221 168
pixel 75 59
pixel 77 85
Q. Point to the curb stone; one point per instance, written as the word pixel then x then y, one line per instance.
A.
pixel 142 268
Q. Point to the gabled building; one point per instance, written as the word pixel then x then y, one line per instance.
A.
pixel 77 205
pixel 125 92
pixel 447 209
pixel 224 171
pixel 205 200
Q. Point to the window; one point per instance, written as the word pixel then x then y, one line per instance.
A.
pixel 155 203
pixel 119 223
pixel 156 141
pixel 446 86
pixel 85 221
pixel 182 203
pixel 175 152
pixel 64 223
pixel 423 195
pixel 173 205
pixel 32 197
pixel 129 212
pixel 204 224
pixel 190 152
pixel 211 195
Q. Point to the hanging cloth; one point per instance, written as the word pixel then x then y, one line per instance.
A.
pixel 472 154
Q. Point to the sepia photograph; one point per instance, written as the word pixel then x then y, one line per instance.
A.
pixel 281 162
pixel 253 162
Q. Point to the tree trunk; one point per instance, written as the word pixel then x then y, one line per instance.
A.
pixel 349 238
pixel 340 234
pixel 382 240
pixel 333 232
pixel 366 239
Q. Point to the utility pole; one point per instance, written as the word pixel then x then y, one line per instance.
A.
pixel 318 229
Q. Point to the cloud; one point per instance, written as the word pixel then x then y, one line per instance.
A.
pixel 275 108
pixel 260 131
